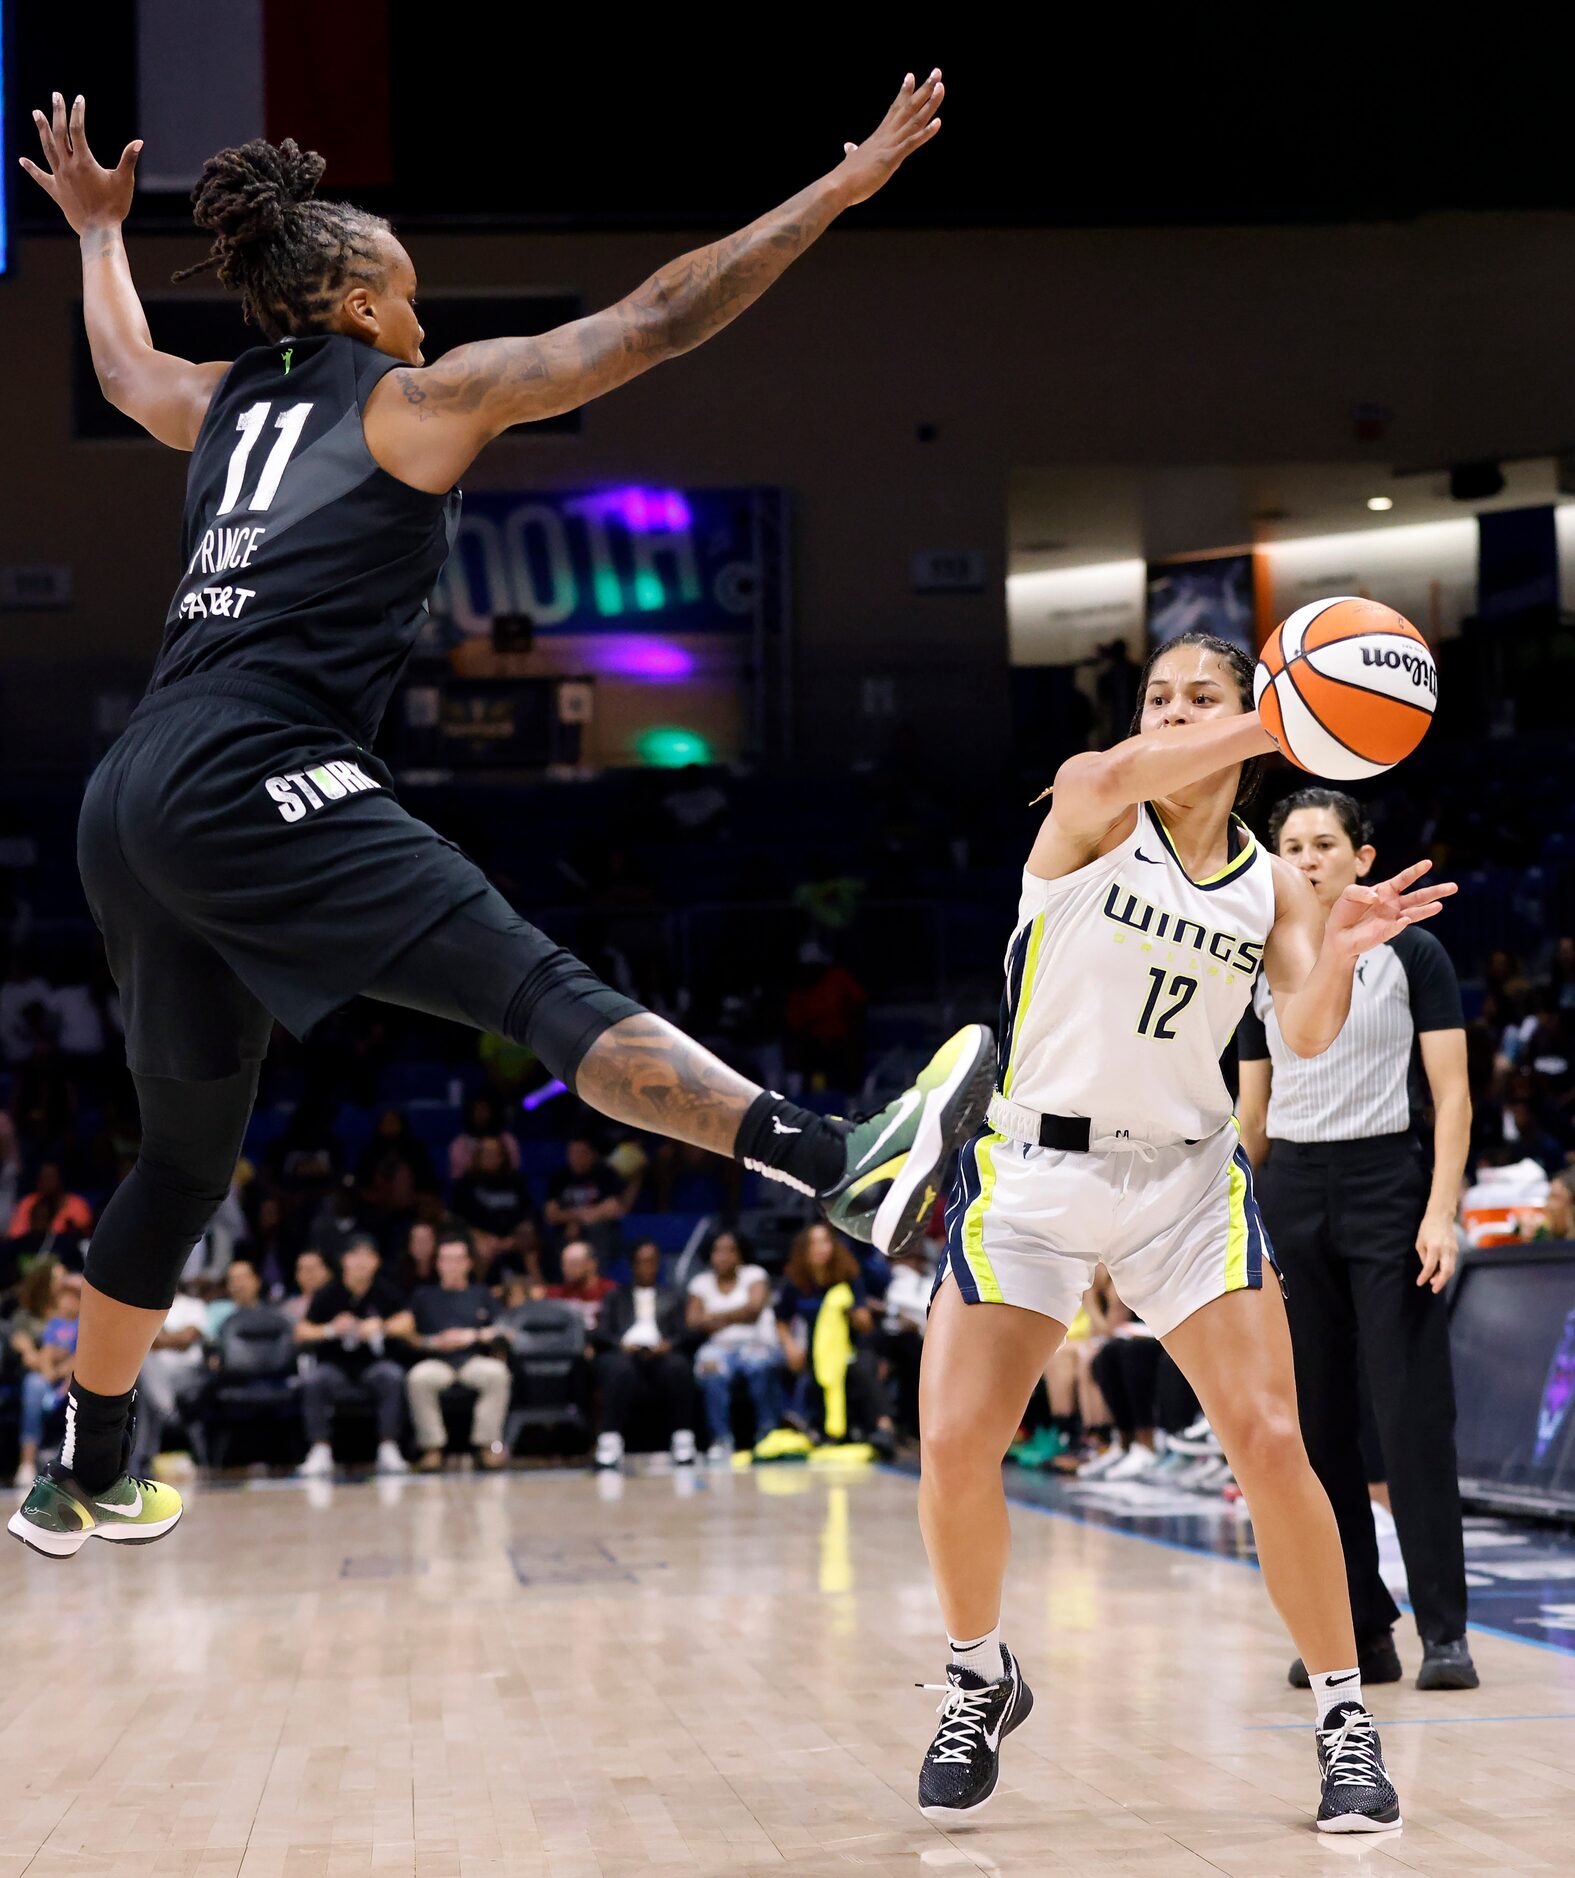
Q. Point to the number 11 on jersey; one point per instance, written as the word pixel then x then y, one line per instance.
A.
pixel 250 424
pixel 1180 991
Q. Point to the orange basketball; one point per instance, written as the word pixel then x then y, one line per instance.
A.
pixel 1346 687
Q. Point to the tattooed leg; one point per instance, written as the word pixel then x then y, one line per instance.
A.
pixel 646 1072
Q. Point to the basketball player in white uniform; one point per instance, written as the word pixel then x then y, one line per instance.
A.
pixel 1147 912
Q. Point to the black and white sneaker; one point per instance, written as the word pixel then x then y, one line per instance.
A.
pixel 1357 1796
pixel 964 1761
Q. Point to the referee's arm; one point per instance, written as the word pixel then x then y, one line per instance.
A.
pixel 1440 1024
pixel 1255 1074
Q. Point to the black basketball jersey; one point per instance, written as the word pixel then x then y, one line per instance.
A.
pixel 305 560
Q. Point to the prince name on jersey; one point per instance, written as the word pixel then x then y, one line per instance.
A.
pixel 1126 979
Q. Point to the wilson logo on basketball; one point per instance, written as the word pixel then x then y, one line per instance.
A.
pixel 1422 672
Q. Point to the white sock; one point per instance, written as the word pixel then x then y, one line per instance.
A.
pixel 1331 1687
pixel 982 1656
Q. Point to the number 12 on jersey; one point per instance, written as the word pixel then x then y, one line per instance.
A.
pixel 1179 991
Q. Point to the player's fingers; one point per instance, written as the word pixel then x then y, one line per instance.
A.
pixel 1403 879
pixel 58 124
pixel 46 138
pixel 74 122
pixel 41 177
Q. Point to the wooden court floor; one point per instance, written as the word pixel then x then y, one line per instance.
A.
pixel 568 1677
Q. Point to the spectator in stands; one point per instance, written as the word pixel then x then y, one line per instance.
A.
pixel 452 1329
pixel 348 1327
pixel 899 1337
pixel 1528 1134
pixel 242 1292
pixel 265 1243
pixel 418 1263
pixel 51 1219
pixel 393 1172
pixel 824 1021
pixel 301 1166
pixel 34 1308
pixel 174 1362
pixel 338 1220
pixel 493 1199
pixel 24 990
pixel 312 1272
pixel 585 1196
pixel 582 1286
pixel 1558 1212
pixel 1146 1392
pixel 729 1304
pixel 483 1118
pixel 10 1182
pixel 48 1368
pixel 639 1365
pixel 821 1268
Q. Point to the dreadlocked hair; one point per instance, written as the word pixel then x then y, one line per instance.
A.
pixel 289 255
pixel 1241 668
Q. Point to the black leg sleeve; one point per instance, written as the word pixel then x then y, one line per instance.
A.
pixel 486 967
pixel 191 1139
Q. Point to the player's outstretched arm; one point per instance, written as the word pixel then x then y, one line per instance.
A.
pixel 1309 959
pixel 1096 788
pixel 167 396
pixel 452 407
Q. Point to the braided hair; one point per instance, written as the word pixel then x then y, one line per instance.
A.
pixel 1241 669
pixel 290 255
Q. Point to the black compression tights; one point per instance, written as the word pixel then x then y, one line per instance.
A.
pixel 483 966
pixel 191 1140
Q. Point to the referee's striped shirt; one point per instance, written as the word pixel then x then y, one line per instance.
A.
pixel 1369 1081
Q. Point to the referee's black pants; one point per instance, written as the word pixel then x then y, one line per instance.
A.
pixel 1343 1217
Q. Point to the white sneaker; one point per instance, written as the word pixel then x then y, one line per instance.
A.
pixel 390 1460
pixel 1199 1439
pixel 319 1462
pixel 1101 1464
pixel 609 1449
pixel 719 1453
pixel 1134 1464
pixel 683 1447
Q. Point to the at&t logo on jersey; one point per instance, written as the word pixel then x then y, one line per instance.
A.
pixel 302 790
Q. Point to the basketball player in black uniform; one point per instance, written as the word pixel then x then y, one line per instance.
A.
pixel 243 851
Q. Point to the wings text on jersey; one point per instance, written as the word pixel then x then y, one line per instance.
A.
pixel 1126 908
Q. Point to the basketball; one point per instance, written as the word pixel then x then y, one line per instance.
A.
pixel 1346 687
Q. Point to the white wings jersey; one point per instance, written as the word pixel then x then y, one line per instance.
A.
pixel 1125 981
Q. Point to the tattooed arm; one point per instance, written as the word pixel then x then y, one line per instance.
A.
pixel 429 425
pixel 167 396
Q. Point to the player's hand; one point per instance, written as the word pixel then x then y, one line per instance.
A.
pixel 911 121
pixel 86 194
pixel 1438 1249
pixel 1364 917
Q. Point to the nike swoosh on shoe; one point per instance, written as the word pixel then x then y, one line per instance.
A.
pixel 126 1512
pixel 911 1098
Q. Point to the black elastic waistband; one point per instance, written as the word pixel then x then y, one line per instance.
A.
pixel 290 702
pixel 1072 1132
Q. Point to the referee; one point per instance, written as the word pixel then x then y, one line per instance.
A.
pixel 1366 1239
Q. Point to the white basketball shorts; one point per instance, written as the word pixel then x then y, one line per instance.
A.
pixel 1176 1227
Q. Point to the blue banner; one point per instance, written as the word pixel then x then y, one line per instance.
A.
pixel 597 560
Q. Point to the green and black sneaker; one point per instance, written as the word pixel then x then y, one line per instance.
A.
pixel 59 1515
pixel 896 1158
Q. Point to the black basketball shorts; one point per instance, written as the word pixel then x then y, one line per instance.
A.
pixel 245 863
